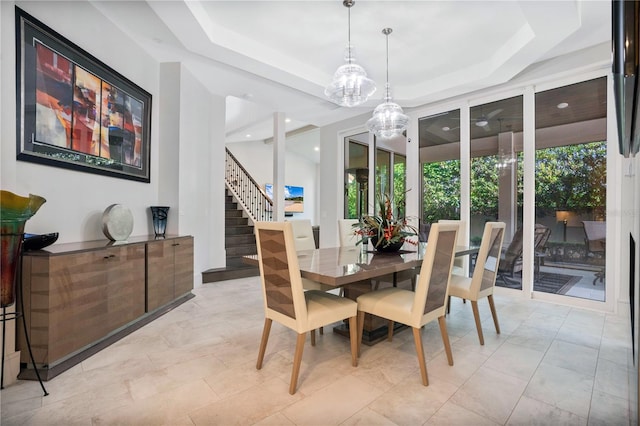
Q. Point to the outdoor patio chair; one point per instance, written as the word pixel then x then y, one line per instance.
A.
pixel 287 303
pixel 595 233
pixel 511 258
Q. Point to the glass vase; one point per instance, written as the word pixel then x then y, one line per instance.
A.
pixel 159 215
pixel 14 213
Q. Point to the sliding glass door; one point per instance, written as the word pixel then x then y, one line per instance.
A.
pixel 570 184
pixel 496 180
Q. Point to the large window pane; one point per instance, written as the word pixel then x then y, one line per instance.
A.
pixel 571 189
pixel 440 160
pixel 356 177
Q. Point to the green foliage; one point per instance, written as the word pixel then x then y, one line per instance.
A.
pixel 572 177
pixel 567 178
pixel 441 190
pixel 399 187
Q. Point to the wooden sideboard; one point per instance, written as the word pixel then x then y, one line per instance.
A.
pixel 81 297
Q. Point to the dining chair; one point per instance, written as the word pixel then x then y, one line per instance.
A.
pixel 287 303
pixel 482 282
pixel 346 232
pixel 460 263
pixel 304 240
pixel 303 234
pixel 427 303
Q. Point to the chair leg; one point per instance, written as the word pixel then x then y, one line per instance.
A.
pixel 417 337
pixel 353 337
pixel 445 339
pixel 360 329
pixel 390 330
pixel 263 343
pixel 448 304
pixel 494 314
pixel 476 315
pixel 297 360
pixel 321 331
pixel 313 337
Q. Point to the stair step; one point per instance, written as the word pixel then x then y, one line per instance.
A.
pixel 239 230
pixel 241 250
pixel 237 221
pixel 239 239
pixel 236 262
pixel 229 273
pixel 233 213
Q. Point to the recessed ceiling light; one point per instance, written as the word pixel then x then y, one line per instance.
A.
pixel 562 105
pixel 287 120
pixel 446 128
pixel 316 148
pixel 247 135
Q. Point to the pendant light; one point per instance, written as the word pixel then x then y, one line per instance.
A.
pixel 388 118
pixel 350 86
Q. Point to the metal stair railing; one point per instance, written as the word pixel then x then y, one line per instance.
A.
pixel 249 194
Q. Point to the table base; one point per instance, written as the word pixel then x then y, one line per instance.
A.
pixel 375 328
pixel 370 337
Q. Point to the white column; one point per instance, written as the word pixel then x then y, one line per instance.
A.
pixel 372 207
pixel 278 165
pixel 528 215
pixel 414 173
pixel 465 169
pixel 507 185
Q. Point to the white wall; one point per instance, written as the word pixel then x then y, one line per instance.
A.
pixel 187 143
pixel 198 179
pixel 257 158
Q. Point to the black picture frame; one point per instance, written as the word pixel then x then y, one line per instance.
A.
pixel 74 111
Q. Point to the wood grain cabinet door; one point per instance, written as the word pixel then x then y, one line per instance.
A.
pixel 169 270
pixel 160 273
pixel 183 266
pixel 67 305
pixel 124 267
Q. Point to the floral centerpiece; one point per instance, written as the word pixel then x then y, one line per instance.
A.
pixel 386 231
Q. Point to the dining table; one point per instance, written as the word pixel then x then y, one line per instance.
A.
pixel 355 268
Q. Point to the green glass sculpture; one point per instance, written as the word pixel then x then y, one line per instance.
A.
pixel 14 213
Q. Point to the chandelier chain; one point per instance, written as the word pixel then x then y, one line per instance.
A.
pixel 349 32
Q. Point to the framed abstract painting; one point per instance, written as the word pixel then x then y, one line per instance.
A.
pixel 74 111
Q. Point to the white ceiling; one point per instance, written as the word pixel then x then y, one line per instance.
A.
pixel 268 56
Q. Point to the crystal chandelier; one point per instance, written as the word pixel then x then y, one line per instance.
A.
pixel 388 118
pixel 350 86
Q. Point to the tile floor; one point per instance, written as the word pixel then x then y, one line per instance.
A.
pixel 552 365
pixel 584 288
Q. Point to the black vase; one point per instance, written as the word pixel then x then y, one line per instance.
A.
pixel 159 214
pixel 390 248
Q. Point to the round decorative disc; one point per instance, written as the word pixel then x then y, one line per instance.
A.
pixel 117 222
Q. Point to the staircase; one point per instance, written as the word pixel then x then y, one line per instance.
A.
pixel 238 241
